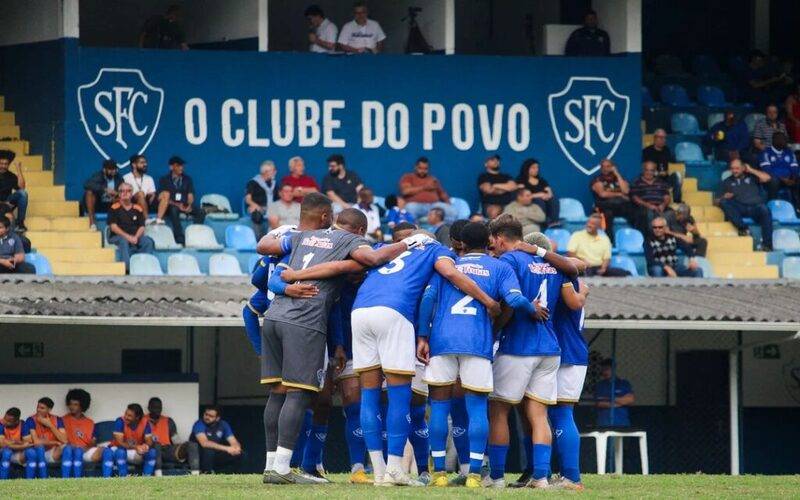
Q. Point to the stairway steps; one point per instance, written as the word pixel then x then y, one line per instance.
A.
pixel 39 223
pixel 85 255
pixel 65 239
pixel 88 268
pixel 54 208
pixel 45 193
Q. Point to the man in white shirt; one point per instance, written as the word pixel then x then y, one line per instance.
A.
pixel 322 33
pixel 366 203
pixel 361 34
pixel 144 188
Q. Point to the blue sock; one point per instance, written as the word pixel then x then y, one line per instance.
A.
pixel 314 446
pixel 66 461
pixel 77 462
pixel 419 437
pixel 384 411
pixel 252 328
pixel 478 429
pixel 497 460
pixel 300 444
pixel 41 465
pixel 121 457
pixel 460 421
pixel 568 441
pixel 30 463
pixel 149 464
pixel 5 462
pixel 528 445
pixel 438 432
pixel 370 418
pixel 398 418
pixel 108 462
pixel 541 461
pixel 353 434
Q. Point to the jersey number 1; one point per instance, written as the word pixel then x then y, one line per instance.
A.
pixel 307 259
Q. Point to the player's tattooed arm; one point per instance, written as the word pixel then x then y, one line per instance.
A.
pixel 563 264
pixel 322 271
pixel 447 269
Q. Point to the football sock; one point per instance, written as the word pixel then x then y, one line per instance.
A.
pixel 108 462
pixel 149 464
pixel 541 461
pixel 121 456
pixel 314 446
pixel 354 435
pixel 252 328
pixel 384 410
pixel 478 429
pixel 568 441
pixel 497 460
pixel 5 462
pixel 371 428
pixel 291 419
pixel 440 409
pixel 272 411
pixel 398 418
pixel 30 463
pixel 300 446
pixel 66 461
pixel 77 462
pixel 282 458
pixel 419 437
pixel 41 465
pixel 460 423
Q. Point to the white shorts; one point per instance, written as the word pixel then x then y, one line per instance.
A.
pixel 347 372
pixel 18 458
pixel 532 377
pixel 132 457
pixel 418 385
pixel 48 456
pixel 383 338
pixel 475 372
pixel 570 383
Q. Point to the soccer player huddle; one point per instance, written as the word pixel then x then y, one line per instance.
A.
pixel 473 331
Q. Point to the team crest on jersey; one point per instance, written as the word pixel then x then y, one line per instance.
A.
pixel 791 378
pixel 320 376
pixel 475 269
pixel 80 434
pixel 321 435
pixel 359 433
pixel 423 433
pixel 314 241
pixel 541 268
pixel 458 431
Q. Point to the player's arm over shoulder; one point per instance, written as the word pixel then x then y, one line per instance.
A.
pixel 364 254
pixel 574 299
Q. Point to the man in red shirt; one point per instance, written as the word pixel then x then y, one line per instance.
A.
pixel 46 432
pixel 423 191
pixel 301 183
pixel 82 438
pixel 133 441
pixel 165 437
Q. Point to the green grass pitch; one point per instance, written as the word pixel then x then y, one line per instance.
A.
pixel 634 486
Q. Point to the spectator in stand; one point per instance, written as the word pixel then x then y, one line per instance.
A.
pixel 219 448
pixel 82 438
pixel 322 32
pixel 341 186
pixel 176 197
pixel 495 188
pixel 12 252
pixel 144 188
pixel 477 217
pixel 542 192
pixel 610 192
pixel 12 189
pixel 126 224
pixel 132 441
pixel 681 225
pixel 285 210
pixel 297 179
pixel 361 35
pixel 100 190
pixel 594 248
pixel 729 138
pixel 661 253
pixel 396 211
pixel 650 197
pixel 528 213
pixel 659 153
pixel 781 164
pixel 763 80
pixel 423 191
pixel 589 40
pixel 792 106
pixel 12 446
pixel 46 432
pixel 164 31
pixel 366 203
pixel 742 197
pixel 623 398
pixel 165 440
pixel 766 127
pixel 260 192
pixel 438 227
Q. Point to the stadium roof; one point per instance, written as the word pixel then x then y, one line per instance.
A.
pixel 210 301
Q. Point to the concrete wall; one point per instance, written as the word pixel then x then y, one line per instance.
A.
pixel 623 21
pixel 26 21
pixel 505 27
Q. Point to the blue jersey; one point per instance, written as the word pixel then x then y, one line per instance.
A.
pixel 524 336
pixel 399 284
pixel 569 331
pixel 461 324
pixel 347 298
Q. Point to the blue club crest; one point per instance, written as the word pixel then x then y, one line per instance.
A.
pixel 589 119
pixel 120 111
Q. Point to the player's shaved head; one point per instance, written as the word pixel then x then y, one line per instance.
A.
pixel 352 220
pixel 316 212
pixel 402 230
pixel 539 239
pixel 475 236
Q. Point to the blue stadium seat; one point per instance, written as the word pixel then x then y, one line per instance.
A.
pixel 711 96
pixel 786 241
pixel 252 261
pixel 705 265
pixel 675 95
pixel 183 264
pixel 572 210
pixel 222 203
pixel 462 207
pixel 689 152
pixel 201 237
pixel 240 237
pixel 704 65
pixel 163 237
pixel 750 120
pixel 43 267
pixel 647 99
pixel 560 237
pixel 629 240
pixel 624 262
pixel 783 212
pixel 224 264
pixel 791 268
pixel 685 123
pixel 714 118
pixel 144 264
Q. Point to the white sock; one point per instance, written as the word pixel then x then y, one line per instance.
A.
pixel 195 472
pixel 378 465
pixel 356 467
pixel 157 473
pixel 270 461
pixel 463 469
pixel 394 462
pixel 283 458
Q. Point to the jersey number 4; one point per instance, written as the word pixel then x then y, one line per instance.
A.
pixel 463 307
pixel 542 295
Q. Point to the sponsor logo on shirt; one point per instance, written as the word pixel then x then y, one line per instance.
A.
pixel 477 270
pixel 313 241
pixel 541 268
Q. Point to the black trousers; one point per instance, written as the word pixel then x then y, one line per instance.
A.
pixel 167 454
pixel 611 272
pixel 173 217
pixel 218 461
pixel 21 268
pixel 614 207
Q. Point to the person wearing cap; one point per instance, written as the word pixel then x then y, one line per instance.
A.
pixel 496 189
pixel 12 189
pixel 176 197
pixel 100 190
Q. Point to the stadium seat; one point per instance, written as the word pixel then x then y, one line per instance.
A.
pixel 461 206
pixel 43 267
pixel 647 99
pixel 704 65
pixel 685 123
pixel 751 119
pixel 783 212
pixel 791 268
pixel 224 264
pixel 201 237
pixel 711 96
pixel 380 201
pixel 144 264
pixel 560 237
pixel 182 264
pixel 162 236
pixel 786 240
pixel 629 240
pixel 674 95
pixel 624 262
pixel 222 203
pixel 705 265
pixel 689 152
pixel 572 210
pixel 252 261
pixel 240 237
pixel 714 118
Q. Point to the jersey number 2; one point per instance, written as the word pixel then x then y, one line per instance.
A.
pixel 462 307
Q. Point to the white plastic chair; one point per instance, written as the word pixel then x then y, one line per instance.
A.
pixel 145 264
pixel 163 237
pixel 221 202
pixel 183 264
pixel 201 237
pixel 224 264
